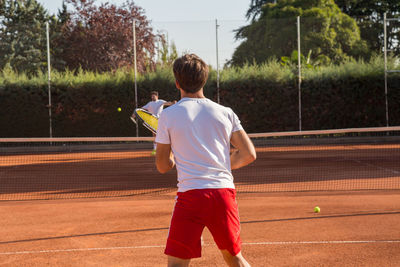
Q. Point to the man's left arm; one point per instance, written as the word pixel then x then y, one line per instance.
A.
pixel 170 103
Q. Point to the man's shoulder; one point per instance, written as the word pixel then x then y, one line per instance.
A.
pixel 220 107
pixel 208 104
pixel 168 111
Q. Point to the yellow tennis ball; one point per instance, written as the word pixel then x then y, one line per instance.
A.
pixel 119 109
pixel 317 209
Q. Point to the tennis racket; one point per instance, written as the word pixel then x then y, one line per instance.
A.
pixel 148 120
pixel 134 120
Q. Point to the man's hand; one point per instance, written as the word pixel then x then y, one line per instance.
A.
pixel 133 118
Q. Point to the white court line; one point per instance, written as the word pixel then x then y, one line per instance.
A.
pixel 376 166
pixel 76 250
pixel 322 242
pixel 162 246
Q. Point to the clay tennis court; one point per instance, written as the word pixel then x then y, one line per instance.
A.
pixel 112 208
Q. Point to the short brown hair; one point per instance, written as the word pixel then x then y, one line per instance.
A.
pixel 154 93
pixel 191 72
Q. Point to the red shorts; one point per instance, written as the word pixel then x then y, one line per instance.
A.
pixel 194 209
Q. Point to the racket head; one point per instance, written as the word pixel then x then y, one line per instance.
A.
pixel 148 120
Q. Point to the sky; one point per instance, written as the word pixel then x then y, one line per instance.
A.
pixel 190 24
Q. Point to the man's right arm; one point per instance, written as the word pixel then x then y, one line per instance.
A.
pixel 164 158
pixel 245 152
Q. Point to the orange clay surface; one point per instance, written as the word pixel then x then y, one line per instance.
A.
pixel 357 229
pixel 354 227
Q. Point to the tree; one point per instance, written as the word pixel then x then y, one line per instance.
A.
pixel 99 38
pixel 23 35
pixel 328 33
pixel 255 8
pixel 57 41
pixel 167 53
pixel 369 17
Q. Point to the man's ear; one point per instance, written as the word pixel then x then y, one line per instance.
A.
pixel 177 84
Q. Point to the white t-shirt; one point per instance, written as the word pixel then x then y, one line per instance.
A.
pixel 155 107
pixel 199 131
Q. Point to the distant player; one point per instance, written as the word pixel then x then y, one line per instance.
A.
pixel 155 107
pixel 196 134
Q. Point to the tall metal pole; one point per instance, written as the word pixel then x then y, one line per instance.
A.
pixel 216 42
pixel 49 79
pixel 135 70
pixel 299 65
pixel 386 70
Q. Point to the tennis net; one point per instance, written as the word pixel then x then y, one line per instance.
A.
pixel 327 160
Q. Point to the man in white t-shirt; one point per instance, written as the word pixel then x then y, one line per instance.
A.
pixel 196 134
pixel 155 107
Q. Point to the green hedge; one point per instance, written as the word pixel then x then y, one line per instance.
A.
pixel 265 98
pixel 345 96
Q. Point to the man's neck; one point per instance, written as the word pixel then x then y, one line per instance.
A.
pixel 198 94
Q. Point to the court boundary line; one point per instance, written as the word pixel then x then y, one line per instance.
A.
pixel 360 162
pixel 270 243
